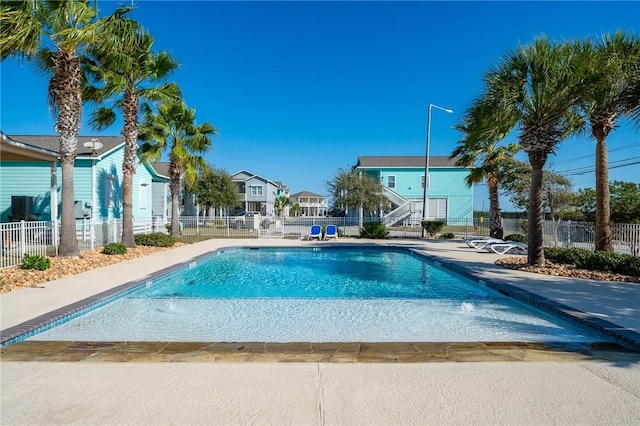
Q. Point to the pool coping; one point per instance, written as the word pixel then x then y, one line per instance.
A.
pixel 627 339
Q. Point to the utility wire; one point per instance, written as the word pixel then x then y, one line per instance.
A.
pixel 575 172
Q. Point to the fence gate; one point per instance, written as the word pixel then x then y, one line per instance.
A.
pixel 271 230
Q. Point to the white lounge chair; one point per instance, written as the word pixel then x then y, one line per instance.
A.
pixel 480 243
pixel 331 232
pixel 315 232
pixel 507 247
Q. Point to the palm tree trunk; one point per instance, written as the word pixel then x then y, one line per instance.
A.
pixel 174 183
pixel 535 256
pixel 68 239
pixel 65 98
pixel 603 209
pixel 130 133
pixel 495 219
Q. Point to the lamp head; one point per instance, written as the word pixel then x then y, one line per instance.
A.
pixel 448 110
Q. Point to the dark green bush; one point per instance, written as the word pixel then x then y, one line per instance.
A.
pixel 374 230
pixel 599 261
pixel 432 227
pixel 631 266
pixel 114 248
pixel 39 263
pixel 573 256
pixel 157 239
pixel 518 238
pixel 447 236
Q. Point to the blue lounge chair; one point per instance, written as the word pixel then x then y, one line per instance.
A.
pixel 315 232
pixel 331 232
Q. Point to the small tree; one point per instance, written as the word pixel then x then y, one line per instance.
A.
pixel 356 190
pixel 625 202
pixel 432 227
pixel 215 189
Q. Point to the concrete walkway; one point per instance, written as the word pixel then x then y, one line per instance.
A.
pixel 581 392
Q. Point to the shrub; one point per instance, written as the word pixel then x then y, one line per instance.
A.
pixel 599 261
pixel 374 230
pixel 39 263
pixel 447 236
pixel 114 248
pixel 602 261
pixel 432 227
pixel 573 256
pixel 631 266
pixel 518 238
pixel 157 239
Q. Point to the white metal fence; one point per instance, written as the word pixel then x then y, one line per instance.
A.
pixel 40 238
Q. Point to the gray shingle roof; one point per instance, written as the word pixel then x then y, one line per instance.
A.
pixel 406 161
pixel 51 143
pixel 161 168
pixel 306 194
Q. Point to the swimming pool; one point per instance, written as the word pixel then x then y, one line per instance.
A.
pixel 315 295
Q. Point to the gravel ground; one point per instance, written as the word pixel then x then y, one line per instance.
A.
pixel 559 270
pixel 15 278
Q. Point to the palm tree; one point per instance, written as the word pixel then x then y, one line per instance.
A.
pixel 126 76
pixel 609 74
pixel 56 35
pixel 173 129
pixel 280 203
pixel 537 87
pixel 478 146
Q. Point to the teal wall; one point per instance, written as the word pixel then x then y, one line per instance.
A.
pixel 30 178
pixel 446 183
pixel 33 178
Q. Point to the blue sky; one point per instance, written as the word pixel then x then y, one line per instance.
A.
pixel 300 89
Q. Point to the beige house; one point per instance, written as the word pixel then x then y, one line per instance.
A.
pixel 310 204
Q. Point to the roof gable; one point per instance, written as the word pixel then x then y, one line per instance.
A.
pixel 245 175
pixel 161 168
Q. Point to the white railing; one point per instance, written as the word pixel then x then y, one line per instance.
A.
pixel 395 216
pixel 20 238
pixel 393 196
pixel 39 237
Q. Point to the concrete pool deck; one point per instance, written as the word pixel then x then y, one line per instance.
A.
pixel 550 389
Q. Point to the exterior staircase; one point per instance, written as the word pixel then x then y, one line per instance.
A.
pixel 399 213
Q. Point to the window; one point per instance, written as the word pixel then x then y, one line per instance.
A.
pixel 143 195
pixel 422 181
pixel 437 208
pixel 391 181
pixel 255 191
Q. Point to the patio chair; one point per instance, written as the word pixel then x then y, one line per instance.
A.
pixel 331 232
pixel 507 247
pixel 480 243
pixel 315 232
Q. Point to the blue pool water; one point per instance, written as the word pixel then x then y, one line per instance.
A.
pixel 288 295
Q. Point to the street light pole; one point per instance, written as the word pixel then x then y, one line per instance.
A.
pixel 426 161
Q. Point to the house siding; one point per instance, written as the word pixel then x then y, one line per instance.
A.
pixel 92 176
pixel 445 183
pixel 27 178
pixel 160 200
